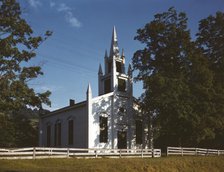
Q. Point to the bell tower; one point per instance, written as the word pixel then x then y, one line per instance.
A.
pixel 114 78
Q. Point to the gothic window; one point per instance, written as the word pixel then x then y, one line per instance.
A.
pixel 138 128
pixel 48 135
pixel 118 67
pixel 122 139
pixel 107 86
pixel 103 129
pixel 57 133
pixel 70 132
pixel 122 110
pixel 121 85
pixel 109 67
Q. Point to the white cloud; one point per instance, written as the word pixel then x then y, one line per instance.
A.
pixel 72 20
pixel 52 108
pixel 52 4
pixel 34 3
pixel 63 7
pixel 68 14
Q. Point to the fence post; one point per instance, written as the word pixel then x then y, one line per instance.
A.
pixel 182 151
pixel 196 151
pixel 167 151
pixel 68 153
pixel 218 153
pixel 34 153
pixel 96 154
pixel 142 153
pixel 120 153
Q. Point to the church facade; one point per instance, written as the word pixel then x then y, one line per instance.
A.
pixel 106 121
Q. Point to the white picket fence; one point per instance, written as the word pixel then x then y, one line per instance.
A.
pixel 41 152
pixel 193 151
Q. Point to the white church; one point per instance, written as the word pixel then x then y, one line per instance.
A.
pixel 109 120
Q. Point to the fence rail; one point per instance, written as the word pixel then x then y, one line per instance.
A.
pixel 43 152
pixel 193 151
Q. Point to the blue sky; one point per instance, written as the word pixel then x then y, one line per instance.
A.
pixel 82 32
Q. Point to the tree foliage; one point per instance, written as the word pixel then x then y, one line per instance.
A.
pixel 210 38
pixel 179 80
pixel 17 48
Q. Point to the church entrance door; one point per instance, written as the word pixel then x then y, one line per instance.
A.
pixel 122 140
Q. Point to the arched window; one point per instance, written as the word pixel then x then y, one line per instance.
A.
pixel 57 133
pixel 48 135
pixel 122 109
pixel 70 131
pixel 121 85
pixel 139 131
pixel 103 128
pixel 107 86
pixel 119 67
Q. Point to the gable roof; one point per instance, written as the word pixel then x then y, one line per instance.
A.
pixel 64 109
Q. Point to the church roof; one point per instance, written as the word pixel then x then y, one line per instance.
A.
pixel 67 108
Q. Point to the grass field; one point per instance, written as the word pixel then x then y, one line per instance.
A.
pixel 166 164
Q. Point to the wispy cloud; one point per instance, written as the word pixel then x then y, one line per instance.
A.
pixel 34 3
pixel 52 4
pixel 68 13
pixel 70 18
pixel 53 107
pixel 63 7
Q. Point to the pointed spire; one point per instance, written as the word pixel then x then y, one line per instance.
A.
pixel 106 55
pixel 89 90
pixel 100 72
pixel 114 50
pixel 122 54
pixel 129 70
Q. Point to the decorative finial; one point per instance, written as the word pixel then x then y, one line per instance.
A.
pixel 129 70
pixel 100 72
pixel 122 54
pixel 114 50
pixel 106 55
pixel 89 90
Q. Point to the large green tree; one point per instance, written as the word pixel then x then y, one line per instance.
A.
pixel 17 47
pixel 210 38
pixel 177 80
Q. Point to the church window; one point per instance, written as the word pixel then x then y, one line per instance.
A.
pixel 121 85
pixel 103 129
pixel 70 132
pixel 57 134
pixel 138 132
pixel 107 86
pixel 118 67
pixel 109 67
pixel 48 135
pixel 122 110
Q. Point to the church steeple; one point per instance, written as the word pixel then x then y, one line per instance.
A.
pixel 114 49
pixel 114 78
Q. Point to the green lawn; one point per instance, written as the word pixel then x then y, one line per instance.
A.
pixel 182 164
